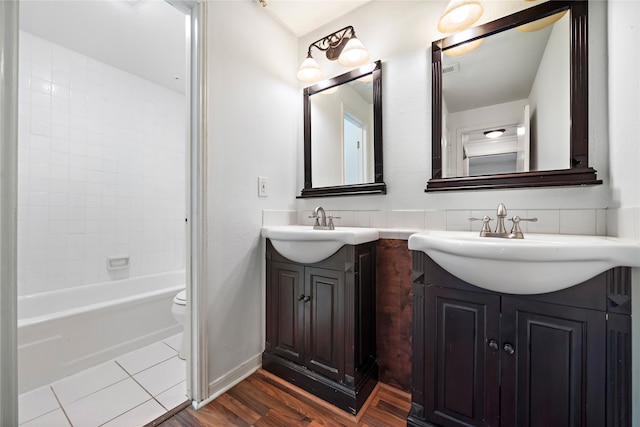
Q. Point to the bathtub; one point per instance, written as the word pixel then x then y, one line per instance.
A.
pixel 66 331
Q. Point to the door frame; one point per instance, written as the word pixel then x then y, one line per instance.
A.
pixel 9 32
pixel 196 238
pixel 196 220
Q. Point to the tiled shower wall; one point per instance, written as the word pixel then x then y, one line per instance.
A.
pixel 101 170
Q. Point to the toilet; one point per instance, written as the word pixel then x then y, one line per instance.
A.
pixel 178 310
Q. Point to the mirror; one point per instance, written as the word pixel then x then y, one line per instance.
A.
pixel 343 134
pixel 512 111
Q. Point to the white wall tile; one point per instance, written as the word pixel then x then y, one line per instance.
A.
pixel 414 220
pixel 89 133
pixel 361 218
pixel 601 222
pixel 378 219
pixel 435 220
pixel 347 219
pixel 548 221
pixel 458 220
pixel 395 219
pixel 578 221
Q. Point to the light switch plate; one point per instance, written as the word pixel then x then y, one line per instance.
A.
pixel 262 186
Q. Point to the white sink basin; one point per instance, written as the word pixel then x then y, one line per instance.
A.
pixel 303 244
pixel 537 264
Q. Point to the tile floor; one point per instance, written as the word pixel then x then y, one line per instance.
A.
pixel 130 390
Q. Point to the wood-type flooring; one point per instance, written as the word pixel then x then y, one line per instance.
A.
pixel 264 400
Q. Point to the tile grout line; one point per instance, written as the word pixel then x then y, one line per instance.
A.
pixel 61 406
pixel 142 387
pixel 127 411
pixel 131 376
pixel 171 347
pixel 148 392
pixel 96 391
pixel 148 367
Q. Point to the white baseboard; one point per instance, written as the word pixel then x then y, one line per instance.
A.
pixel 220 385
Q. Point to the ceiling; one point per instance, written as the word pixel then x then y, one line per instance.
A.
pixel 147 37
pixel 303 16
pixel 502 69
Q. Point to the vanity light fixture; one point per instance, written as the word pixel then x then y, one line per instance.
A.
pixel 541 23
pixel 459 15
pixel 463 48
pixel 494 133
pixel 342 45
pixel 330 91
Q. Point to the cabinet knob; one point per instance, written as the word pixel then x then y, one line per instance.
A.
pixel 493 344
pixel 307 298
pixel 301 297
pixel 508 348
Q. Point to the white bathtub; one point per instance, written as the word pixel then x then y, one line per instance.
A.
pixel 65 331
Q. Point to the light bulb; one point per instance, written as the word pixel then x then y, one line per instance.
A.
pixel 354 54
pixel 494 133
pixel 459 15
pixel 309 71
pixel 463 48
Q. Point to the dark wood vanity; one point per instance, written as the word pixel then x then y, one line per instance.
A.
pixel 320 325
pixel 481 358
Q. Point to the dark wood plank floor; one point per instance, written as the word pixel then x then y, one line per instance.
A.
pixel 261 400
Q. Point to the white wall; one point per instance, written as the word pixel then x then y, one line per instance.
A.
pixel 252 122
pixel 550 103
pixel 400 33
pixel 101 170
pixel 624 128
pixel 327 132
pixel 255 128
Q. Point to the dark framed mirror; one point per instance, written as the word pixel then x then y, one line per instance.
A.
pixel 343 134
pixel 526 85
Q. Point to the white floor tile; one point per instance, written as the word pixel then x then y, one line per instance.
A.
pixel 163 376
pixel 106 404
pixel 146 357
pixel 35 403
pixel 89 381
pixel 52 419
pixel 138 416
pixel 174 396
pixel 174 341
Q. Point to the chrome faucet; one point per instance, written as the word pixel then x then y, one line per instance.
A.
pixel 501 231
pixel 321 219
pixel 501 213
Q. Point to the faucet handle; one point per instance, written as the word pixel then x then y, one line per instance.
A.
pixel 317 219
pixel 485 224
pixel 330 221
pixel 516 225
pixel 516 219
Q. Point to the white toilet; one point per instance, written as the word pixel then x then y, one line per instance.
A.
pixel 179 309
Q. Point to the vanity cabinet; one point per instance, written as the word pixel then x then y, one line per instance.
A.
pixel 482 358
pixel 320 332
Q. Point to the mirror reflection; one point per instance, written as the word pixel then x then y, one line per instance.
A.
pixel 515 83
pixel 342 134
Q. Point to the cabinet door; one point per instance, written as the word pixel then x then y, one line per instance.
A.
pixel 324 344
pixel 285 321
pixel 462 358
pixel 553 365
